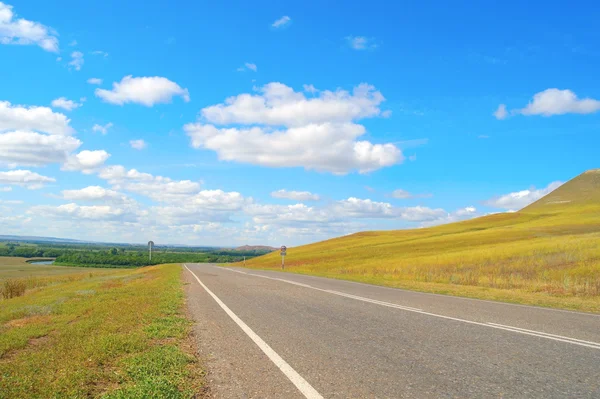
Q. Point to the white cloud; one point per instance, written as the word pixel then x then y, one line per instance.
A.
pixel 468 212
pixel 86 161
pixel 138 144
pixel 35 149
pixel 501 112
pixel 553 102
pixel 102 128
pixel 65 104
pixel 76 60
pixel 5 189
pixel 99 52
pixel 325 147
pixel 558 102
pixel 94 81
pixel 282 22
pixel 310 89
pixel 74 212
pixel 295 195
pixel 278 104
pixel 144 90
pixel 96 194
pixel 73 43
pixel 366 208
pixel 43 119
pixel 520 199
pixel 321 134
pixel 360 43
pixel 252 67
pixel 403 194
pixel 25 178
pixel 158 188
pixel 24 32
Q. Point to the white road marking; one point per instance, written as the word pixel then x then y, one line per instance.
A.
pixel 303 386
pixel 554 337
pixel 547 335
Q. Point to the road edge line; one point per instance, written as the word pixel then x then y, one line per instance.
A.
pixel 303 386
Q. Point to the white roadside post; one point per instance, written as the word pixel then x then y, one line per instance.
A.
pixel 150 244
pixel 283 252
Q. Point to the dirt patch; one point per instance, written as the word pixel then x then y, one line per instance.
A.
pixel 38 341
pixel 28 320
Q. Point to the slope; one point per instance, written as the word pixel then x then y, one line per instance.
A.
pixel 546 254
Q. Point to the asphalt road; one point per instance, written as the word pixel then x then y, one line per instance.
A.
pixel 278 335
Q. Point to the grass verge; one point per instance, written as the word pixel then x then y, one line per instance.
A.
pixel 119 334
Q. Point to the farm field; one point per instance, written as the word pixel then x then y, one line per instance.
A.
pixel 547 254
pixel 108 333
pixel 15 267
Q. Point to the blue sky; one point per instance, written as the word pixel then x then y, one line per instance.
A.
pixel 123 121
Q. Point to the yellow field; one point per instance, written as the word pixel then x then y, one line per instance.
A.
pixel 547 254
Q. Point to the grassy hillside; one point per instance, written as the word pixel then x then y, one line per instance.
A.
pixel 547 254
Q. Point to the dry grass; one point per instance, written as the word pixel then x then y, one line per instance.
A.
pixel 80 337
pixel 548 254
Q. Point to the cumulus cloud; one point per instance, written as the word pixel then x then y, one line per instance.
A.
pixel 325 147
pixel 558 102
pixel 468 212
pixel 520 199
pixel 282 22
pixel 86 161
pixel 77 60
pixel 34 149
pixel 25 178
pixel 158 188
pixel 138 144
pixel 279 105
pixel 102 128
pixel 68 105
pixel 94 81
pixel 20 31
pixel 43 119
pixel 360 43
pixel 96 194
pixel 319 133
pixel 366 208
pixel 74 211
pixel 295 195
pixel 403 194
pixel 553 102
pixel 501 112
pixel 147 91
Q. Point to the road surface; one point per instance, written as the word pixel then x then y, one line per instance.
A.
pixel 278 335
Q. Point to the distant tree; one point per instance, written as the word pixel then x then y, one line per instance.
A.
pixel 113 251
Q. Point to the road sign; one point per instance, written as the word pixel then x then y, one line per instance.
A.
pixel 283 252
pixel 150 245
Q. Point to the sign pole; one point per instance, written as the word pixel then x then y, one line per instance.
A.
pixel 150 244
pixel 283 252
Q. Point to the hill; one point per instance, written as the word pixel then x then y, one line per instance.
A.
pixel 546 254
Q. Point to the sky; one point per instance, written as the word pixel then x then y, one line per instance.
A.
pixel 290 122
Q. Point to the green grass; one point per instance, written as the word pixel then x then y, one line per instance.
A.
pixel 548 254
pixel 114 334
